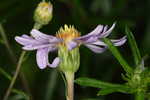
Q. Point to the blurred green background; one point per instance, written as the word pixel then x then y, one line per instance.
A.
pixel 16 16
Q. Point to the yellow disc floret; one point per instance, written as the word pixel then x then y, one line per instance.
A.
pixel 67 33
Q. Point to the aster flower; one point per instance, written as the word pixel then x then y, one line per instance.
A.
pixel 68 37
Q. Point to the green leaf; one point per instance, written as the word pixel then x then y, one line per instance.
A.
pixel 92 99
pixel 133 46
pixel 118 56
pixel 105 91
pixel 3 72
pixel 122 89
pixel 1 41
pixel 26 97
pixel 99 84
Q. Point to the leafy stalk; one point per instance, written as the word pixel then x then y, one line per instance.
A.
pixel 133 46
pixel 105 87
pixel 118 56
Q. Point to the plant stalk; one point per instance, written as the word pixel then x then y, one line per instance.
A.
pixel 70 85
pixel 15 76
pixel 4 37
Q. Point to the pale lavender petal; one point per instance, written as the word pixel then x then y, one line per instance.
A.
pixel 119 42
pixel 26 36
pixel 105 28
pixel 106 33
pixel 25 41
pixel 55 40
pixel 40 36
pixel 99 43
pixel 42 58
pixel 86 40
pixel 55 63
pixel 34 47
pixel 71 45
pixel 95 48
pixel 97 30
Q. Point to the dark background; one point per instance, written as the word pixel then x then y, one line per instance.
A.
pixel 16 16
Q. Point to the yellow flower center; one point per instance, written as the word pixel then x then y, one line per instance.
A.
pixel 67 33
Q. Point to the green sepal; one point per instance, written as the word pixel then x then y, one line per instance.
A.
pixel 70 59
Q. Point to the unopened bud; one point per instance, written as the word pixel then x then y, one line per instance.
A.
pixel 43 13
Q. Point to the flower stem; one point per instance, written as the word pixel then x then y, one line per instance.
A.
pixel 139 96
pixel 37 26
pixel 15 76
pixel 70 85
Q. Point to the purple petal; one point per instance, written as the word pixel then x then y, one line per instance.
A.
pixel 99 43
pixel 25 41
pixel 71 45
pixel 97 30
pixel 55 63
pixel 26 36
pixel 119 42
pixel 42 58
pixel 34 47
pixel 95 48
pixel 40 36
pixel 106 33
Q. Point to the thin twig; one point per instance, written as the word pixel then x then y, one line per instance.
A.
pixel 13 57
pixel 4 37
pixel 15 76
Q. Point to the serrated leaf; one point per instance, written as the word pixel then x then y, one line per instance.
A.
pixel 133 46
pixel 118 56
pixel 98 84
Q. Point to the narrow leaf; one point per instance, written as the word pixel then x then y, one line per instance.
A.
pixel 118 56
pixel 112 90
pixel 3 72
pixel 21 93
pixel 97 83
pixel 133 46
pixel 1 41
pixel 105 91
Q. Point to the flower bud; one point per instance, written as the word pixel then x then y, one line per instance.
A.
pixel 70 60
pixel 43 13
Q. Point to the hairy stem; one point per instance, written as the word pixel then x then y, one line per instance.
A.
pixel 15 76
pixel 70 85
